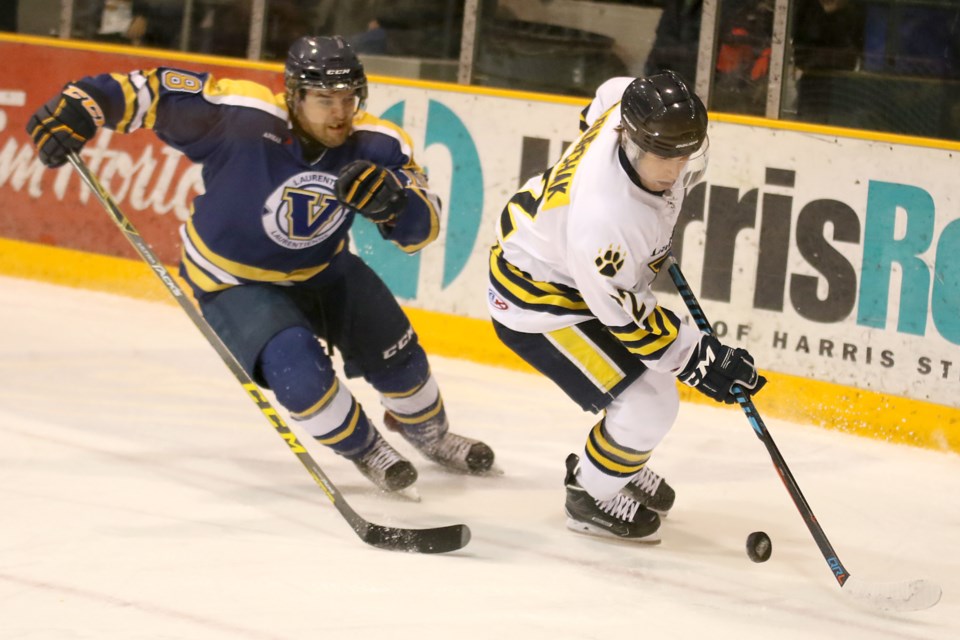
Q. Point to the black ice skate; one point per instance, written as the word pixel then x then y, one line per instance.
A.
pixel 435 441
pixel 619 517
pixel 385 467
pixel 651 490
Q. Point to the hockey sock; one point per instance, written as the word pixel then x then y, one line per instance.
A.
pixel 302 377
pixel 408 390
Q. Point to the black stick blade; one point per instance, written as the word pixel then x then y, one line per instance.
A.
pixel 436 540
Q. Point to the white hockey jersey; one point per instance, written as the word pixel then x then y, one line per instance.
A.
pixel 585 240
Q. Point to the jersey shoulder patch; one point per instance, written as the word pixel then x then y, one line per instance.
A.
pixel 181 81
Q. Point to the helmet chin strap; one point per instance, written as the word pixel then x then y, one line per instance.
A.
pixel 631 150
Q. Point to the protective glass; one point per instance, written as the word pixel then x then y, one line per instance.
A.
pixel 685 171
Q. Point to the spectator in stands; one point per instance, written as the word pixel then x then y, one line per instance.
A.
pixel 743 55
pixel 154 23
pixel 828 34
pixel 157 23
pixel 828 37
pixel 677 39
pixel 372 41
pixel 913 39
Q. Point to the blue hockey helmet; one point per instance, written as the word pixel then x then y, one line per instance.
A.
pixel 323 62
pixel 661 115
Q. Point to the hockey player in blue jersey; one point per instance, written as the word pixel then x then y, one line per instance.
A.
pixel 266 247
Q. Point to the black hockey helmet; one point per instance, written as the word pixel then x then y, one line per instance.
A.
pixel 661 115
pixel 323 62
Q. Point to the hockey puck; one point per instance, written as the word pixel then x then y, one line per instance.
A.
pixel 759 546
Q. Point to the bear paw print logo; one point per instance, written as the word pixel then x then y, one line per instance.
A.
pixel 609 261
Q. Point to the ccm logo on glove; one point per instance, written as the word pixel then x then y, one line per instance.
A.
pixel 64 124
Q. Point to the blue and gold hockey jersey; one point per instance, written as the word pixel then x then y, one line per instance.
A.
pixel 267 214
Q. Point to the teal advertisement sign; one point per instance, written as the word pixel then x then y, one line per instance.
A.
pixel 462 212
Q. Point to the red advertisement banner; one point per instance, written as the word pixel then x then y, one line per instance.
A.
pixel 153 184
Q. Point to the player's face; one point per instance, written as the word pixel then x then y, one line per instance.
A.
pixel 327 115
pixel 658 173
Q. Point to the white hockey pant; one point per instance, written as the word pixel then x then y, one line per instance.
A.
pixel 634 425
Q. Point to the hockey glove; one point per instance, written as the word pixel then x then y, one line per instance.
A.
pixel 714 368
pixel 64 124
pixel 371 190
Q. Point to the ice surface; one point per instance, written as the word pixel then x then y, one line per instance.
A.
pixel 142 495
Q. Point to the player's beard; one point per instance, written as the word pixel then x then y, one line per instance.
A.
pixel 315 139
pixel 326 133
pixel 332 135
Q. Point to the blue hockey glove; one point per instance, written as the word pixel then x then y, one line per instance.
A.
pixel 371 190
pixel 714 368
pixel 64 124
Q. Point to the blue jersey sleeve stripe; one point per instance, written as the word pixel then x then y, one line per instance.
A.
pixel 153 94
pixel 139 97
pixel 433 216
pixel 248 272
pixel 196 276
pixel 129 101
pixel 145 100
pixel 209 270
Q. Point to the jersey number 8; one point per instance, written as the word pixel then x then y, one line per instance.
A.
pixel 179 81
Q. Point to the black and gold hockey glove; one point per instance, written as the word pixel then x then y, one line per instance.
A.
pixel 371 190
pixel 64 124
pixel 714 368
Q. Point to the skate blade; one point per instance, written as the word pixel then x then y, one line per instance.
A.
pixel 410 494
pixel 492 472
pixel 589 529
pixel 407 494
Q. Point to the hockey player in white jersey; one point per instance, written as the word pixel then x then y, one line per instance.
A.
pixel 578 248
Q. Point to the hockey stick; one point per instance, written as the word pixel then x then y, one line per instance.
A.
pixel 434 540
pixel 910 595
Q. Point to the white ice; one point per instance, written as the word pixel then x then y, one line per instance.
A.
pixel 142 495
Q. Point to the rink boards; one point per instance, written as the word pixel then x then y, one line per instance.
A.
pixel 834 256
